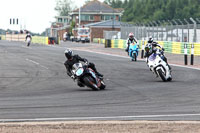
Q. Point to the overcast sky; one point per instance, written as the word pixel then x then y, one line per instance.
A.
pixel 34 15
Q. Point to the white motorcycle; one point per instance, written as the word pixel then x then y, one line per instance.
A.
pixel 28 41
pixel 159 67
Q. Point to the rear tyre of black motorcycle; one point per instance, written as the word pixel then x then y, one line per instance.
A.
pixel 161 75
pixel 89 81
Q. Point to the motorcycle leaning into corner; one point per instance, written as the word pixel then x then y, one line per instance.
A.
pixel 28 40
pixel 133 51
pixel 87 77
pixel 158 66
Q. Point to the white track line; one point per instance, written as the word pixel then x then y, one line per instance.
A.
pixel 33 61
pixel 100 118
pixel 37 63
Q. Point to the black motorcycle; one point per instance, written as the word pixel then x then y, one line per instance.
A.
pixel 88 77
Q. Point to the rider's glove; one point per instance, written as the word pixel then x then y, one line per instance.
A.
pixel 86 62
pixel 73 77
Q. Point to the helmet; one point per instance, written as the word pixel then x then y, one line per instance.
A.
pixel 150 40
pixel 131 35
pixel 68 53
pixel 148 48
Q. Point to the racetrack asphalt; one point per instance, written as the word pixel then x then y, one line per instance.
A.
pixel 34 87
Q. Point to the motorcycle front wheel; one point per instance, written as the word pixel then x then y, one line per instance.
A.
pixel 161 74
pixel 103 86
pixel 89 81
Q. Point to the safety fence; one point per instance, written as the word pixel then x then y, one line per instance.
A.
pixel 170 47
pixel 2 37
pixel 35 39
pixel 40 40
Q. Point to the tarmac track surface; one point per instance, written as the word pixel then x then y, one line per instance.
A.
pixel 34 87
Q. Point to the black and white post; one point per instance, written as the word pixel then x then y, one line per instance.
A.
pixel 192 54
pixel 185 54
pixel 142 52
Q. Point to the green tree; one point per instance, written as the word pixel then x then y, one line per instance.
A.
pixel 72 26
pixel 63 7
pixel 152 10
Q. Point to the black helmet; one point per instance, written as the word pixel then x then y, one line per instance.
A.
pixel 150 40
pixel 68 53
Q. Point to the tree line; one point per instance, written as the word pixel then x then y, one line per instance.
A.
pixel 153 10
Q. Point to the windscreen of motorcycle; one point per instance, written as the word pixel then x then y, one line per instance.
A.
pixel 77 68
pixel 133 46
pixel 152 57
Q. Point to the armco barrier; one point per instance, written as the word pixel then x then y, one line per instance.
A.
pixel 40 40
pixel 170 47
pixel 196 49
pixel 3 37
pixel 22 37
pixel 107 43
pixel 95 40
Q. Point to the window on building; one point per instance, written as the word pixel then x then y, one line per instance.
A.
pixel 60 20
pixel 87 17
pixel 107 17
pixel 91 17
pixel 65 20
pixel 119 18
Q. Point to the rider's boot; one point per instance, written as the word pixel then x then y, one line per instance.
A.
pixel 95 70
pixel 165 59
pixel 169 67
pixel 99 74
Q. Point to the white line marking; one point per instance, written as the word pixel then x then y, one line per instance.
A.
pixel 122 56
pixel 44 67
pixel 99 118
pixel 185 66
pixel 37 63
pixel 33 61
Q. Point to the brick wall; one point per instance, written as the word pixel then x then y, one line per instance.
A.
pixel 98 32
pixel 61 32
pixel 97 18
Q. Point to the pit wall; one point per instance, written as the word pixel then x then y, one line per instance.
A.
pixel 170 47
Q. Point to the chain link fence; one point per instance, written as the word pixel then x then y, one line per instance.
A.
pixel 175 30
pixel 112 34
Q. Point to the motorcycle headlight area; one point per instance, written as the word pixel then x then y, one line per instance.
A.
pixel 79 71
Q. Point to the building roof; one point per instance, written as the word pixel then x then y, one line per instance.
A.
pixel 106 24
pixel 96 6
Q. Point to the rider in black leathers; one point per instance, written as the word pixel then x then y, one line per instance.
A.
pixel 151 47
pixel 72 59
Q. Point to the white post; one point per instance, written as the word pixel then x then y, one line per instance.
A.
pixel 79 16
